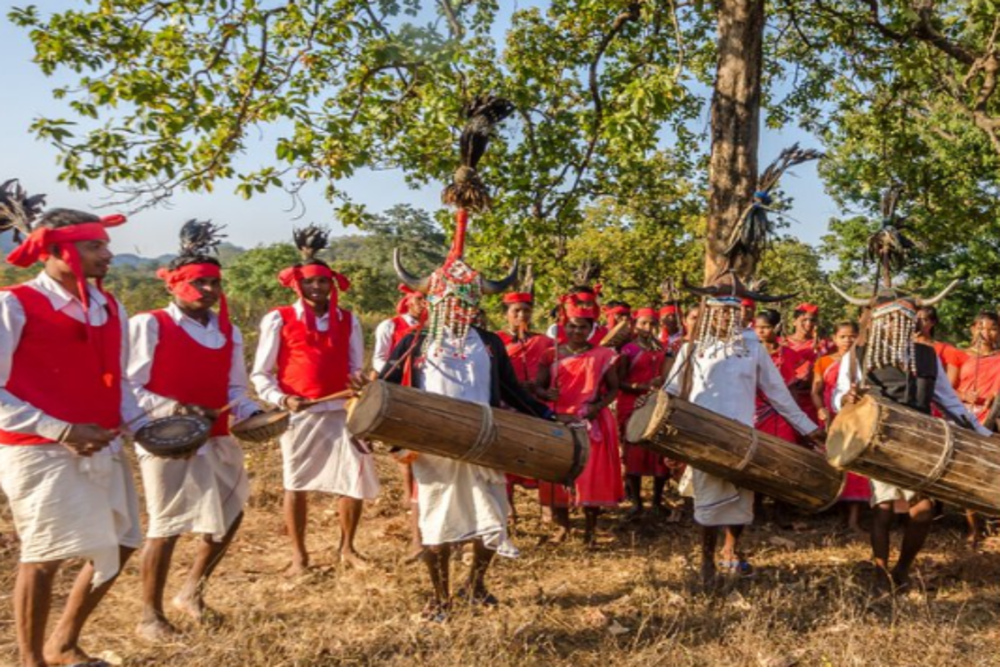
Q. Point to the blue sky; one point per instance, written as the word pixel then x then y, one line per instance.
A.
pixel 265 218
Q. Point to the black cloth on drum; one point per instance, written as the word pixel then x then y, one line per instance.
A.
pixel 913 391
pixel 504 385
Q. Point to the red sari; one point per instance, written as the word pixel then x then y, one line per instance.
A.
pixel 981 375
pixel 579 378
pixel 857 488
pixel 526 356
pixel 644 365
pixel 766 418
pixel 807 352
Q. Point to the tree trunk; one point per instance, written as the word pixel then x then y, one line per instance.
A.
pixel 735 124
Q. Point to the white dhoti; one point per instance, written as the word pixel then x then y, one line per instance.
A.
pixel 69 506
pixel 460 501
pixel 203 494
pixel 319 454
pixel 720 503
pixel 887 493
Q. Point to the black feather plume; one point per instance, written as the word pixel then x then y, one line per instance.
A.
pixel 200 238
pixel 888 247
pixel 311 241
pixel 751 236
pixel 18 210
pixel 467 189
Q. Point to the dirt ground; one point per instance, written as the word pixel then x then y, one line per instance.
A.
pixel 634 600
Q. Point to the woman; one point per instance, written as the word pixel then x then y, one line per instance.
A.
pixel 951 357
pixel 807 345
pixel 857 490
pixel 580 380
pixel 642 368
pixel 766 418
pixel 978 385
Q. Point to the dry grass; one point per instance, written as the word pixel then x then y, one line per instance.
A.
pixel 633 601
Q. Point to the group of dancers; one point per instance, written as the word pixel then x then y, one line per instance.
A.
pixel 77 374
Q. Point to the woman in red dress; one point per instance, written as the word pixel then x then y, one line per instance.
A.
pixel 857 489
pixel 766 418
pixel 807 345
pixel 581 381
pixel 951 357
pixel 641 369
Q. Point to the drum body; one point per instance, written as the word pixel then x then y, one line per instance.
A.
pixel 500 439
pixel 723 447
pixel 175 436
pixel 618 336
pixel 894 444
pixel 263 427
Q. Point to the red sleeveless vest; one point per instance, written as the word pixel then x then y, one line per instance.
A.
pixel 187 371
pixel 314 364
pixel 61 371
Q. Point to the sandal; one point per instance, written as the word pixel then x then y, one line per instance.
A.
pixel 736 568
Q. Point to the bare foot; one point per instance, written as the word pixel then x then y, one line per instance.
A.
pixel 353 559
pixel 709 575
pixel 156 630
pixel 190 606
pixel 297 568
pixel 560 535
pixel 65 655
pixel 900 581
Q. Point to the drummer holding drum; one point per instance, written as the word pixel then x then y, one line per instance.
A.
pixel 202 490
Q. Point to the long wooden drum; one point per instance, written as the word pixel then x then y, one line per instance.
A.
pixel 499 439
pixel 894 444
pixel 720 446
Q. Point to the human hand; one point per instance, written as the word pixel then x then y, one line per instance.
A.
pixel 358 381
pixel 548 394
pixel 852 396
pixel 824 415
pixel 294 403
pixel 87 439
pixel 817 438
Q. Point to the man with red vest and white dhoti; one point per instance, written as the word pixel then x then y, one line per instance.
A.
pixel 186 359
pixel 307 353
pixel 63 346
pixel 411 314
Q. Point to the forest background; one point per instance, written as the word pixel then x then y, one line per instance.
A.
pixel 606 159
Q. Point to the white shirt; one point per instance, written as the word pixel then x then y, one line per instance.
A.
pixel 459 372
pixel 383 340
pixel 16 415
pixel 944 394
pixel 265 364
pixel 145 335
pixel 727 383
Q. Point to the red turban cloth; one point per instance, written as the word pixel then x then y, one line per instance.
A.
pixel 581 305
pixel 36 247
pixel 179 284
pixel 518 297
pixel 748 303
pixel 808 308
pixel 669 309
pixel 644 312
pixel 293 276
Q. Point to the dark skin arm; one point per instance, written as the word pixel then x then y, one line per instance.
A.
pixel 817 397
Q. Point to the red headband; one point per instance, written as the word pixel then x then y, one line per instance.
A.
pixel 36 247
pixel 748 303
pixel 809 308
pixel 518 297
pixel 179 284
pixel 293 276
pixel 644 312
pixel 403 305
pixel 668 310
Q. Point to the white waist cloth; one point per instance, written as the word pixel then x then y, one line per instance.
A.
pixel 460 501
pixel 203 494
pixel 718 502
pixel 69 506
pixel 319 454
pixel 888 493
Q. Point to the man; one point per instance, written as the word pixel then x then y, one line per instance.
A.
pixel 185 359
pixel 306 353
pixel 411 314
pixel 63 349
pixel 722 369
pixel 460 501
pixel 888 361
pixel 671 332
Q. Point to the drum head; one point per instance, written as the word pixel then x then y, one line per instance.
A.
pixel 646 421
pixel 171 435
pixel 366 413
pixel 852 432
